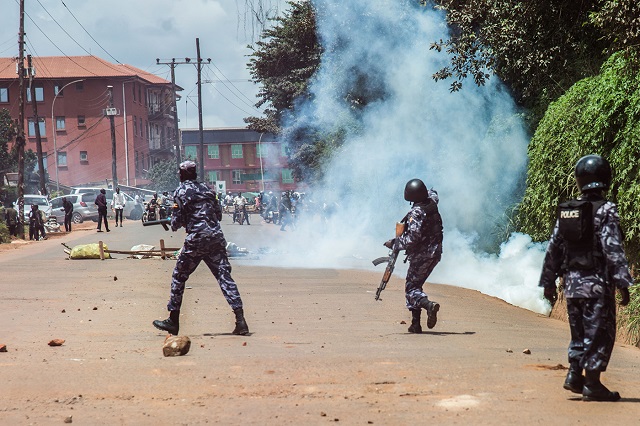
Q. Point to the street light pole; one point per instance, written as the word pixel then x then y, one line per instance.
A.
pixel 55 130
pixel 261 153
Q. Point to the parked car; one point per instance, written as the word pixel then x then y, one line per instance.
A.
pixel 84 207
pixel 41 200
pixel 132 210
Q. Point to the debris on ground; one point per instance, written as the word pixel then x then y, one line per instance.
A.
pixel 527 352
pixel 141 247
pixel 3 348
pixel 176 346
pixel 234 251
pixel 56 342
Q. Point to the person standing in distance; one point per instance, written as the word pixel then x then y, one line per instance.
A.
pixel 101 202
pixel 198 210
pixel 422 242
pixel 586 249
pixel 117 205
pixel 68 213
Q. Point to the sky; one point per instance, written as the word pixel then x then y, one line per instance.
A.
pixel 140 31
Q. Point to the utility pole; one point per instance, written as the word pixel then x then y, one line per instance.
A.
pixel 36 125
pixel 200 130
pixel 20 123
pixel 174 105
pixel 111 112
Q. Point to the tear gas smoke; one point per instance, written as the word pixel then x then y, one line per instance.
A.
pixel 470 146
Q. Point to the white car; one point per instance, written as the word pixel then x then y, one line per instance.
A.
pixel 132 210
pixel 41 200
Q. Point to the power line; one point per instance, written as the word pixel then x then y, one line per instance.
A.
pixel 62 28
pixel 85 30
pixel 232 103
pixel 225 77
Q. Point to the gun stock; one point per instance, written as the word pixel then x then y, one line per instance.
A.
pixel 164 222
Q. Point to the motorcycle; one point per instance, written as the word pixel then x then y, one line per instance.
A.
pixel 149 213
pixel 272 217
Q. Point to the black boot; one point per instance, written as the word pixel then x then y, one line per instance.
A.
pixel 594 390
pixel 415 326
pixel 575 380
pixel 241 325
pixel 171 324
pixel 432 309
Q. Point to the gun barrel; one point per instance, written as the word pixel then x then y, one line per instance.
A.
pixel 164 222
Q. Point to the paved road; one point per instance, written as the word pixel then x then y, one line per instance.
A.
pixel 321 349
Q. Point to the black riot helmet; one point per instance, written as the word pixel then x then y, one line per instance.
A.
pixel 592 172
pixel 188 171
pixel 416 191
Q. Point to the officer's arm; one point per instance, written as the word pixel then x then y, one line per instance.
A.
pixel 411 235
pixel 177 220
pixel 552 261
pixel 611 239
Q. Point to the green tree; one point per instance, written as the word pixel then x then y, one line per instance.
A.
pixel 283 63
pixel 598 115
pixel 7 133
pixel 164 176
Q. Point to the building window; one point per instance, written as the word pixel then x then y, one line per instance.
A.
pixel 32 127
pixel 261 151
pixel 4 95
pixel 236 177
pixel 62 159
pixel 81 121
pixel 135 125
pixel 213 151
pixel 191 152
pixel 80 86
pixel 212 176
pixel 60 124
pixel 141 128
pixel 84 156
pixel 283 150
pixel 39 94
pixel 236 150
pixel 133 89
pixel 57 92
pixel 287 176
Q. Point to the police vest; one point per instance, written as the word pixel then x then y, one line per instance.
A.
pixel 575 225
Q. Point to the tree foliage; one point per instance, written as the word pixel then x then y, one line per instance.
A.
pixel 283 64
pixel 7 133
pixel 539 49
pixel 164 176
pixel 598 115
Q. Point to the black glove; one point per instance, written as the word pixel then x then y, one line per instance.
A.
pixel 389 244
pixel 624 301
pixel 551 295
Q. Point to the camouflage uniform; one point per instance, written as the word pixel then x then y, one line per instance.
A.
pixel 422 240
pixel 590 294
pixel 199 212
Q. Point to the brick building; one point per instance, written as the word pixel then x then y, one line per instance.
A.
pixel 241 158
pixel 72 98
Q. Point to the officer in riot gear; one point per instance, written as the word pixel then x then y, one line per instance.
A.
pixel 586 250
pixel 422 242
pixel 198 210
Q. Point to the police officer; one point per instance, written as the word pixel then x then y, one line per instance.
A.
pixel 590 277
pixel 198 210
pixel 422 242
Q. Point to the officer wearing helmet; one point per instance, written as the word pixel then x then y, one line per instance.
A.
pixel 422 242
pixel 586 250
pixel 198 210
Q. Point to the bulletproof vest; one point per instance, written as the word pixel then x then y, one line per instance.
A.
pixel 432 226
pixel 575 225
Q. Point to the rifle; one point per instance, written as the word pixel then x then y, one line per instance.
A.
pixel 390 259
pixel 164 222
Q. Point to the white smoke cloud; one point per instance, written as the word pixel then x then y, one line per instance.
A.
pixel 470 146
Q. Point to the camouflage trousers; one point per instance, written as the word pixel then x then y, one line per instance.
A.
pixel 593 331
pixel 214 255
pixel 419 271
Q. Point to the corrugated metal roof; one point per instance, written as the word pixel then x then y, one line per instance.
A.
pixel 77 67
